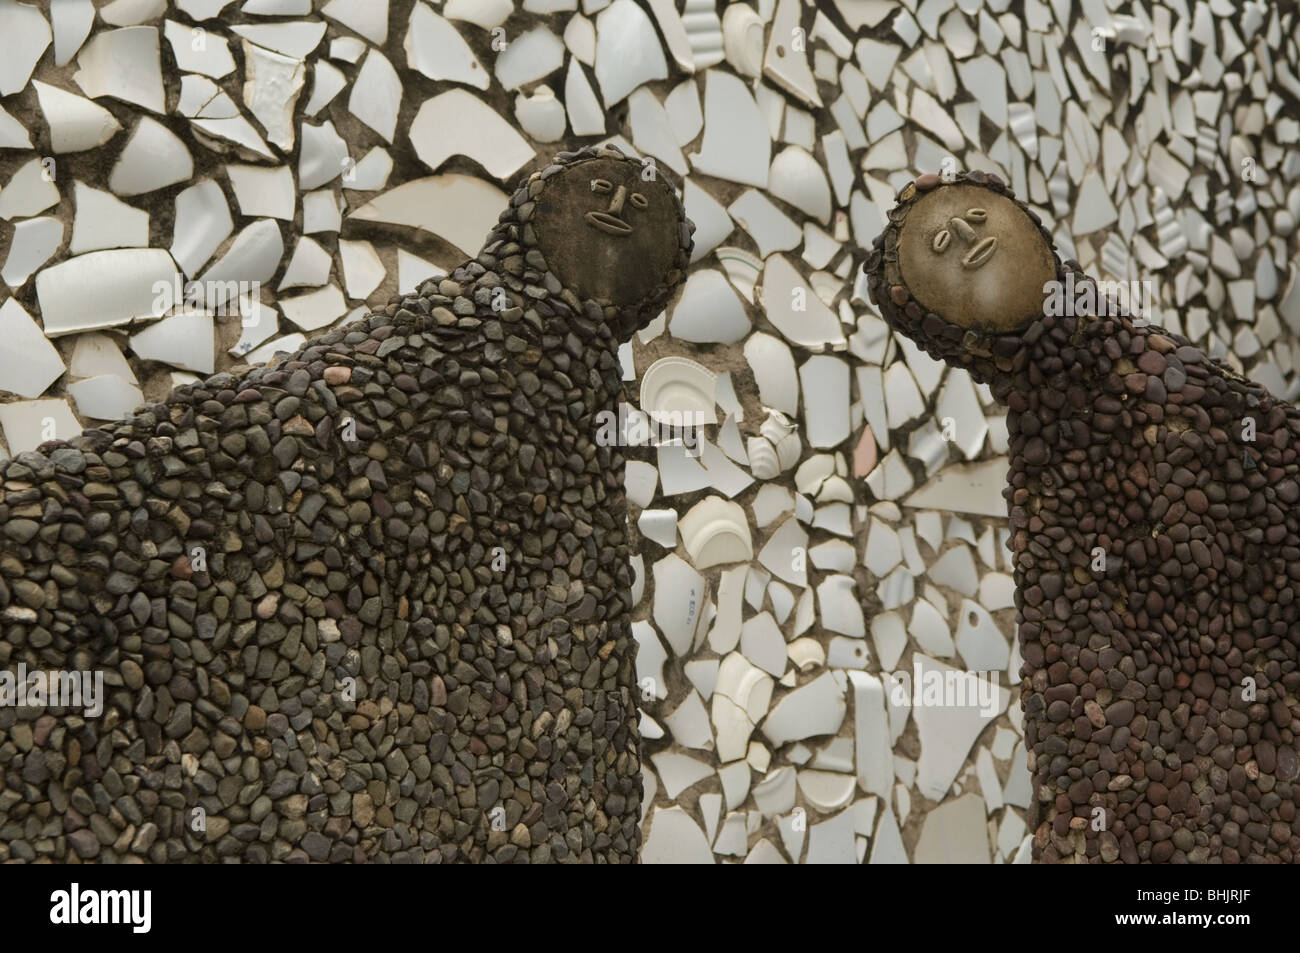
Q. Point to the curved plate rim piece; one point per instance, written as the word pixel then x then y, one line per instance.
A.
pixel 690 379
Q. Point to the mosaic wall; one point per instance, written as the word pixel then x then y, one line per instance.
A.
pixel 187 187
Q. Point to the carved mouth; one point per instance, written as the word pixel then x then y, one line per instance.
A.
pixel 609 224
pixel 981 253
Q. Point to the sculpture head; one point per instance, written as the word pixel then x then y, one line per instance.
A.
pixel 962 268
pixel 613 231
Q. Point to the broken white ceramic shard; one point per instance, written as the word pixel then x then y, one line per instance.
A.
pixel 528 58
pixel 817 708
pixel 782 555
pixel 659 526
pixel 257 323
pixel 97 354
pixel 124 64
pixel 377 95
pixel 202 223
pixel 29 192
pixel 75 123
pixel 840 609
pixel 347 49
pixel 796 178
pixel 24 36
pixel 708 310
pixel 679 391
pixel 327 82
pixel 955 833
pixel 253 256
pixel 981 643
pixel 35 240
pixel 948 724
pixel 715 532
pixel 367 17
pixel 124 281
pixel 737 144
pixel 371 173
pixel 580 38
pixel 296 38
pixel 72 21
pixel 215 114
pixel 652 132
pixel 712 223
pixel 315 309
pixel 740 699
pixel 183 340
pixel 106 397
pixel 482 135
pixel 541 115
pixel 795 309
pixel 29 423
pixel 785 63
pixel 689 724
pixel 413 271
pixel 289 344
pixel 458 208
pixel 771 229
pixel 435 48
pixel 13 134
pixel 104 221
pixel 675 838
pixel 309 267
pixel 131 12
pixel 825 385
pixel 263 192
pixel 29 363
pixel 586 117
pixel 197 50
pixel 679 771
pixel 154 157
pixel 322 157
pixel 762 643
pixel 362 269
pixel 965 488
pixel 272 82
pixel 679 597
pixel 627 51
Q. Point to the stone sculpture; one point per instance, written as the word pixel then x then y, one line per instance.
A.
pixel 369 603
pixel 1152 496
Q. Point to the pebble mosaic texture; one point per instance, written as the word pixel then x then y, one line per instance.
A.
pixel 838 535
pixel 1157 547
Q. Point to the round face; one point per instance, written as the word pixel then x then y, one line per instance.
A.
pixel 974 258
pixel 607 231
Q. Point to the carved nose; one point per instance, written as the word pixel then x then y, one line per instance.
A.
pixel 961 229
pixel 616 206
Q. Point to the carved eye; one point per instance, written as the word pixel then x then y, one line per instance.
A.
pixel 600 185
pixel 639 200
pixel 976 214
pixel 941 241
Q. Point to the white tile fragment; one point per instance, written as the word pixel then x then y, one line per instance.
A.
pixel 123 280
pixel 35 240
pixel 627 51
pixel 153 158
pixel 263 192
pixel 104 221
pixel 182 340
pixel 23 39
pixel 202 223
pixel 29 363
pixel 377 95
pixel 124 64
pixel 75 123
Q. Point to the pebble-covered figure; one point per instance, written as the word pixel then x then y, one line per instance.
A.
pixel 1153 506
pixel 368 604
